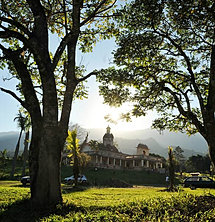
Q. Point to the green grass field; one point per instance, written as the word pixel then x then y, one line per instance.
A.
pixel 111 204
pixel 146 201
pixel 101 177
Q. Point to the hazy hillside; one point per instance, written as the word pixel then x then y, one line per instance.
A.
pixel 8 140
pixel 194 143
pixel 129 147
pixel 127 141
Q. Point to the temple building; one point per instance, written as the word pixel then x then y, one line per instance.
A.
pixel 108 156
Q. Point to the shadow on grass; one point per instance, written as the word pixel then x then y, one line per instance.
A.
pixel 66 188
pixel 18 211
pixel 20 186
pixel 22 211
pixel 71 189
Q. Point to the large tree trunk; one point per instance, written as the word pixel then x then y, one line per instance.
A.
pixel 25 152
pixel 15 155
pixel 45 170
pixel 76 167
pixel 211 145
pixel 48 138
pixel 171 169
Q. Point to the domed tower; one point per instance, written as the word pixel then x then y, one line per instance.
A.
pixel 108 138
pixel 142 149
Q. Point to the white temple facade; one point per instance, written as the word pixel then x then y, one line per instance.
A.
pixel 108 156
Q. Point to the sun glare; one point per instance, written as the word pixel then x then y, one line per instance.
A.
pixel 99 115
pixel 118 124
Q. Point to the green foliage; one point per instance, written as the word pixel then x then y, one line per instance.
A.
pixel 96 22
pixel 163 60
pixel 171 161
pixel 84 159
pixel 21 120
pixel 198 163
pixel 78 159
pixel 5 169
pixel 103 177
pixel 3 154
pixel 95 145
pixel 111 204
pixel 72 142
pixel 3 162
pixel 73 145
pixel 179 159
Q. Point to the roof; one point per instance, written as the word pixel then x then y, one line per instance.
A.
pixel 143 146
pixel 108 135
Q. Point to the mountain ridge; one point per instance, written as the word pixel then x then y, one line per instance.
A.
pixel 128 140
pixel 157 143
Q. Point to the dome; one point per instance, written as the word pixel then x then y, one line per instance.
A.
pixel 108 135
pixel 142 146
pixel 108 138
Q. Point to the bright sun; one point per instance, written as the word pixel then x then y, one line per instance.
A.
pixel 93 116
pixel 121 125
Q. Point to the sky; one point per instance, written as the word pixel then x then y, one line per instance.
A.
pixel 88 113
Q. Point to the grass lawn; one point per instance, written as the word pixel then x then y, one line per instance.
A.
pixel 111 204
pixel 103 177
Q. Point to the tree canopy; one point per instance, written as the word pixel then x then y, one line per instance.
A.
pixel 50 79
pixel 199 163
pixel 166 62
pixel 179 159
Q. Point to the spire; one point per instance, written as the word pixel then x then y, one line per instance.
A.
pixel 108 130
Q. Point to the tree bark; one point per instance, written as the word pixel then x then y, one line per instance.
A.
pixel 15 155
pixel 211 142
pixel 45 167
pixel 171 169
pixel 76 166
pixel 25 152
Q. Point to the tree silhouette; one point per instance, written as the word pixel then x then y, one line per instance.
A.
pixel 74 147
pixel 171 162
pixel 21 121
pixel 179 157
pixel 26 143
pixel 49 80
pixel 3 157
pixel 166 62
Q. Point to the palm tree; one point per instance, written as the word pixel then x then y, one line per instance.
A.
pixel 3 157
pixel 26 142
pixel 21 120
pixel 74 147
pixel 171 168
pixel 3 154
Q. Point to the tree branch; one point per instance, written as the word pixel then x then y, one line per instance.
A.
pixel 9 33
pixel 14 96
pixel 61 49
pixel 40 23
pixel 188 114
pixel 94 73
pixel 96 11
pixel 70 74
pixel 31 102
pixel 211 94
pixel 7 79
pixel 189 66
pixel 17 24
